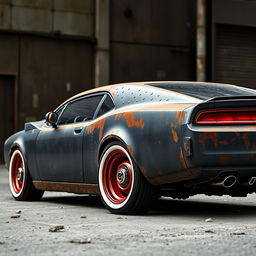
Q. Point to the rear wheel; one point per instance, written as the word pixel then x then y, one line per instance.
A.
pixel 123 188
pixel 20 182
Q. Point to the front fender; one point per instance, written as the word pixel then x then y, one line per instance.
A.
pixel 16 140
pixel 25 141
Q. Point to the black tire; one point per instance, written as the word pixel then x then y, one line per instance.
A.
pixel 123 188
pixel 21 186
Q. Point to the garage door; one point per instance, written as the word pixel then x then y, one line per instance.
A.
pixel 235 55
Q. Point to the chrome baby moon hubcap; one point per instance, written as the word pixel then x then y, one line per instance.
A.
pixel 20 174
pixel 123 176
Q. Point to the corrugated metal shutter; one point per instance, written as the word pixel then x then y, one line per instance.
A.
pixel 235 55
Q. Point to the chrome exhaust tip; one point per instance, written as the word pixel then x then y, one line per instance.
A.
pixel 252 181
pixel 227 182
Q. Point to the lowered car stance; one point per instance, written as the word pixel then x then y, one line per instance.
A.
pixel 131 143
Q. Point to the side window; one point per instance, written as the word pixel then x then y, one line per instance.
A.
pixel 106 106
pixel 80 110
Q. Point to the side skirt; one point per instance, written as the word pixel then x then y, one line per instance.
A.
pixel 78 188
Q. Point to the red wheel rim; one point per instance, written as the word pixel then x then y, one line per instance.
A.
pixel 17 174
pixel 117 176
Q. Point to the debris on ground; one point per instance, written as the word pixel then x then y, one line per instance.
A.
pixel 80 241
pixel 59 228
pixel 238 233
pixel 18 212
pixel 209 220
pixel 83 217
pixel 209 231
pixel 15 216
pixel 1 242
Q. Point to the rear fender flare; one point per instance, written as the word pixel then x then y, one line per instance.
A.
pixel 122 137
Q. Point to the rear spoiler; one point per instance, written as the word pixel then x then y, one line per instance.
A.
pixel 228 98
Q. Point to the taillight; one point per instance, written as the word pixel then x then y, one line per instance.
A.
pixel 229 116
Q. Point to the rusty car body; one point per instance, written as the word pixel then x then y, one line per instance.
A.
pixel 140 141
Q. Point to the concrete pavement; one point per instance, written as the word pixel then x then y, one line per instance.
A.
pixel 173 227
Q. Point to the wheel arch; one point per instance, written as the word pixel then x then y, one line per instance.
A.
pixel 18 144
pixel 106 141
pixel 128 142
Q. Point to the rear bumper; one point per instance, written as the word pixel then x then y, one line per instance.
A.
pixel 210 152
pixel 207 174
pixel 219 148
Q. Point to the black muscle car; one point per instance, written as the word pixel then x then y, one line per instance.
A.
pixel 134 142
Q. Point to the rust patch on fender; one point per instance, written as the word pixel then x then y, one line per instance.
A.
pixel 182 160
pixel 143 170
pixel 130 119
pixel 246 140
pixel 254 149
pixel 130 150
pixel 254 146
pixel 98 125
pixel 175 136
pixel 174 133
pixel 223 142
pixel 157 180
pixel 237 134
pixel 79 188
pixel 212 136
pixel 223 160
pixel 180 115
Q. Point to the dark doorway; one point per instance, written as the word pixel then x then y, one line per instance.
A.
pixel 7 85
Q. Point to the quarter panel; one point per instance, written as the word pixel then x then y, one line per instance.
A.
pixel 153 138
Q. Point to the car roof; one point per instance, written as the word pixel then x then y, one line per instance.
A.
pixel 177 91
pixel 205 90
pixel 115 89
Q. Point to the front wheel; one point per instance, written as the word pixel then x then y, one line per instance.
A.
pixel 20 182
pixel 123 189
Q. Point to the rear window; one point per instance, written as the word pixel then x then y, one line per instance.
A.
pixel 206 91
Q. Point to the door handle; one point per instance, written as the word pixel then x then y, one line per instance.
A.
pixel 78 130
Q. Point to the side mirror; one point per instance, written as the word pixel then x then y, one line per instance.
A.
pixel 51 118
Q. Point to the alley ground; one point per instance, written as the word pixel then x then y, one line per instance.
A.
pixel 173 227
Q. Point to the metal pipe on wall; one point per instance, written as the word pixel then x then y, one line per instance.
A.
pixel 201 40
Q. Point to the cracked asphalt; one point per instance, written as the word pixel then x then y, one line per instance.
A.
pixel 173 227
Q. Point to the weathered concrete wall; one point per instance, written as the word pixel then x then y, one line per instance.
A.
pixel 67 17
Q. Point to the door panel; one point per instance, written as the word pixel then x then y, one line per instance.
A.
pixel 60 151
pixel 59 155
